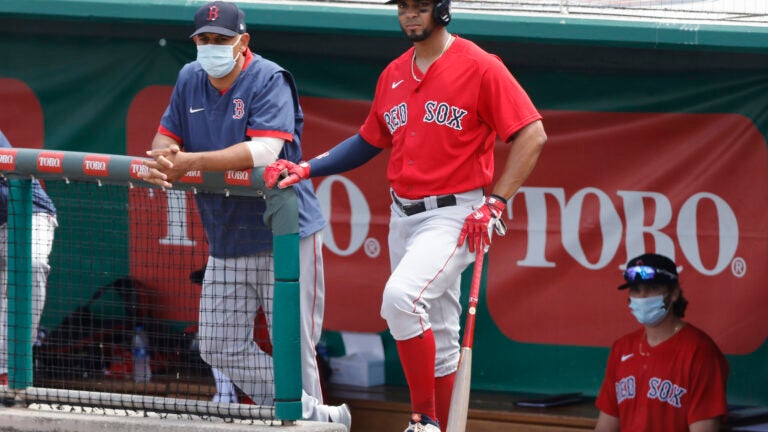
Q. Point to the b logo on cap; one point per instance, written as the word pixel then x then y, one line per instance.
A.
pixel 213 13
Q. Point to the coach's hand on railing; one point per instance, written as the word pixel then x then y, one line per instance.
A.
pixel 167 166
pixel 290 172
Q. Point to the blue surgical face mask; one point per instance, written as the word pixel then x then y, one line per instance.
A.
pixel 649 310
pixel 217 60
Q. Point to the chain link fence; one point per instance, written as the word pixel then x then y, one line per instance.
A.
pixel 131 325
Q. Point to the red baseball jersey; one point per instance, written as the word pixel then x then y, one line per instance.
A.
pixel 666 387
pixel 442 126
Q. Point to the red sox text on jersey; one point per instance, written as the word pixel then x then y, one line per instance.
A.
pixel 435 112
pixel 663 390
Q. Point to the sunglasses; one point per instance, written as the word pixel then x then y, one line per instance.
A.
pixel 645 273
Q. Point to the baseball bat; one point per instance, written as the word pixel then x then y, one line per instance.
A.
pixel 457 414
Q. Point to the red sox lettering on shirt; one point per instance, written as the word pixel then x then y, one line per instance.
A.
pixel 442 129
pixel 666 387
pixel 662 389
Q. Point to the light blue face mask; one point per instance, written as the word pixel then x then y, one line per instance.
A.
pixel 649 310
pixel 217 60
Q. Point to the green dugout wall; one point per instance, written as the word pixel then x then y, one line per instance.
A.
pixel 94 76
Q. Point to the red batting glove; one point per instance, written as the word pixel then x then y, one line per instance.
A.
pixel 290 172
pixel 477 226
pixel 274 171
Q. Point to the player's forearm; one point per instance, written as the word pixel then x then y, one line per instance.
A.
pixel 607 423
pixel 522 158
pixel 235 157
pixel 348 154
pixel 708 425
pixel 161 141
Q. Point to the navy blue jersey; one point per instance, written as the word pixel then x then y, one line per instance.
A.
pixel 262 102
pixel 41 202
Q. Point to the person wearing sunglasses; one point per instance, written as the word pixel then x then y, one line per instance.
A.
pixel 667 375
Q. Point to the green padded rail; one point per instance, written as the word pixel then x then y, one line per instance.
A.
pixel 20 284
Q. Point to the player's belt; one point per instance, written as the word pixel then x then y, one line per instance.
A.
pixel 414 207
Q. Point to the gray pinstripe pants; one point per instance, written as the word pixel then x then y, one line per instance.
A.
pixel 233 290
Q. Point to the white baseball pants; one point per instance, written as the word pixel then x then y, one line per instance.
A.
pixel 425 285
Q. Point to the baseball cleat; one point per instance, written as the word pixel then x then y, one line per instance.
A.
pixel 342 415
pixel 422 423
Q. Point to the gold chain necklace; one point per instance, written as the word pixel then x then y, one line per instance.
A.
pixel 413 59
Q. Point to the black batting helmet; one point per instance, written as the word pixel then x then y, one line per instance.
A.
pixel 441 13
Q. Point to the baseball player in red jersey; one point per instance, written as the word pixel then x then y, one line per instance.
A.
pixel 668 375
pixel 440 108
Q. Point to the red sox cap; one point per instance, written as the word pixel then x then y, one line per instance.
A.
pixel 219 17
pixel 651 269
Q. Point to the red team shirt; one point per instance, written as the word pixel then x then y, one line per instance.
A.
pixel 442 130
pixel 666 387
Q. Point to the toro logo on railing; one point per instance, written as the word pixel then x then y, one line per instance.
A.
pixel 50 162
pixel 137 168
pixel 96 165
pixel 195 176
pixel 238 177
pixel 8 159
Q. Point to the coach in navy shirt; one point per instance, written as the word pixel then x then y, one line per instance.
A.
pixel 232 109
